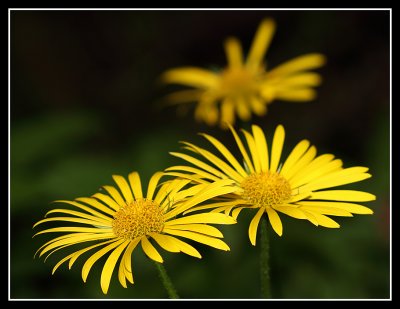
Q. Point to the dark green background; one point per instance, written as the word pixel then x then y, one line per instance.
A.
pixel 85 104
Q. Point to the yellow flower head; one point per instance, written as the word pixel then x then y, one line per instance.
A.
pixel 300 187
pixel 115 224
pixel 245 86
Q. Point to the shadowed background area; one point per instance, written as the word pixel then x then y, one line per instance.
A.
pixel 86 104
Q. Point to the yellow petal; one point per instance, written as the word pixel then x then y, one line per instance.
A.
pixel 115 195
pixel 204 239
pixel 165 242
pixel 124 187
pixel 193 170
pixel 215 205
pixel 242 150
pixel 99 222
pixel 301 163
pixel 275 221
pixel 227 112
pixel 128 259
pixel 185 248
pixel 343 195
pixel 226 153
pixel 153 184
pixel 242 108
pixel 95 257
pixel 107 200
pixel 150 251
pixel 202 218
pixel 110 265
pixel 79 214
pixel 254 225
pixel 254 151
pixel 233 51
pixel 294 156
pixel 198 163
pixel 258 106
pixel 330 211
pixel 350 207
pixel 136 185
pixel 292 212
pixel 300 63
pixel 91 202
pixel 94 203
pixel 261 146
pixel 324 220
pixel 191 76
pixel 277 145
pixel 260 44
pixel 198 228
pixel 296 94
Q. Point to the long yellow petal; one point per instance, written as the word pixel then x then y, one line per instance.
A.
pixel 204 239
pixel 277 145
pixel 243 108
pixel 261 146
pixel 275 221
pixel 192 170
pixel 300 63
pixel 185 248
pixel 95 257
pixel 150 251
pixel 153 184
pixel 107 200
pixel 225 168
pixel 191 76
pixel 350 207
pixel 254 151
pixel 260 44
pixel 215 218
pixel 226 153
pixel 165 242
pixel 115 195
pixel 330 211
pixel 254 225
pixel 128 258
pixel 292 212
pixel 106 224
pixel 258 106
pixel 215 205
pixel 198 228
pixel 343 195
pixel 302 162
pixel 94 203
pixel 243 151
pixel 88 209
pixel 233 51
pixel 110 265
pixel 324 220
pixel 199 164
pixel 336 179
pixel 294 156
pixel 74 229
pixel 295 94
pixel 77 254
pixel 136 185
pixel 79 214
pixel 124 187
pixel 227 112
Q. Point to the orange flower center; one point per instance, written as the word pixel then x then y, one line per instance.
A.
pixel 266 189
pixel 137 219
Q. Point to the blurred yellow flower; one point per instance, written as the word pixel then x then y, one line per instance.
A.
pixel 116 224
pixel 295 187
pixel 245 87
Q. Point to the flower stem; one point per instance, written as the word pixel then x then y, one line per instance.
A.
pixel 166 281
pixel 264 260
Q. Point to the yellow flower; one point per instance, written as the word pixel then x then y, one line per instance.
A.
pixel 116 224
pixel 245 87
pixel 299 187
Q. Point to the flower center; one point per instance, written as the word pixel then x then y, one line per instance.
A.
pixel 237 81
pixel 138 218
pixel 266 189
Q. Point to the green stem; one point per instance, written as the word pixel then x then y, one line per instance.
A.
pixel 264 260
pixel 166 281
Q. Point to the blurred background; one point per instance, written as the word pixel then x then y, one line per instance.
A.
pixel 86 104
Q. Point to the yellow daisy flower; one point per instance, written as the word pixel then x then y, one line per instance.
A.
pixel 300 187
pixel 116 224
pixel 245 87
